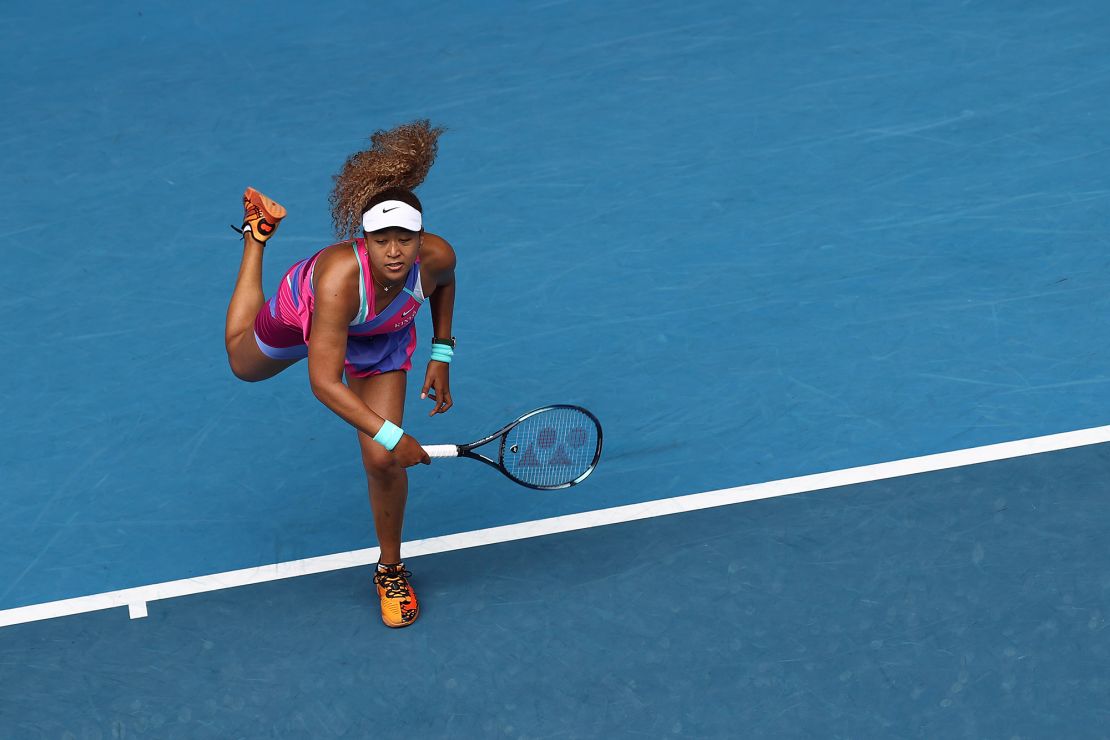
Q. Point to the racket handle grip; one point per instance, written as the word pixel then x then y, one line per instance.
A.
pixel 442 450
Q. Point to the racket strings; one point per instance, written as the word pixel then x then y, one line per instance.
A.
pixel 552 448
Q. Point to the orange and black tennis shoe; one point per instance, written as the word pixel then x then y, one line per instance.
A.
pixel 399 606
pixel 261 215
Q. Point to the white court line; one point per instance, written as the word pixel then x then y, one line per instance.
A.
pixel 136 599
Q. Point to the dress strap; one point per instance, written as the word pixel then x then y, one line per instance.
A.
pixel 363 303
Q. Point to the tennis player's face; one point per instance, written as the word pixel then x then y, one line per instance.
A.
pixel 393 251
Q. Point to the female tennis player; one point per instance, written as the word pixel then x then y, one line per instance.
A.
pixel 350 309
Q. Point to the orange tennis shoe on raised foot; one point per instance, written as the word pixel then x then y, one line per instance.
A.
pixel 261 215
pixel 399 606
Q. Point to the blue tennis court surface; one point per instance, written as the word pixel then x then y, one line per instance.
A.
pixel 759 241
pixel 966 603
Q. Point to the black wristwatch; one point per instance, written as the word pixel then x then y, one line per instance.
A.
pixel 440 340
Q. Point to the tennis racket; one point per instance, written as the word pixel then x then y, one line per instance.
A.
pixel 546 449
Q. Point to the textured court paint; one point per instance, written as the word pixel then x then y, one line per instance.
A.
pixel 137 598
pixel 969 603
pixel 759 240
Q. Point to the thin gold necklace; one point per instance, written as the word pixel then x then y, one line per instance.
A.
pixel 386 288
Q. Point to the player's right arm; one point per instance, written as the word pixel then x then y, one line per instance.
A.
pixel 337 301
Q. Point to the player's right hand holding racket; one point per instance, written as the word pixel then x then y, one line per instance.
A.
pixel 408 452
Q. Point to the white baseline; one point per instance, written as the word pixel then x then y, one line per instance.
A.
pixel 136 599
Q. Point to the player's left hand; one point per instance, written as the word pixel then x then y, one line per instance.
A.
pixel 437 386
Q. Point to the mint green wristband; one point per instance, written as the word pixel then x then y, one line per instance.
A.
pixel 389 435
pixel 442 353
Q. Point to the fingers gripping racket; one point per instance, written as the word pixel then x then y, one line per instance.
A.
pixel 549 448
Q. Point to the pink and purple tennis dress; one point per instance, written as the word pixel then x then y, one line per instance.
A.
pixel 376 342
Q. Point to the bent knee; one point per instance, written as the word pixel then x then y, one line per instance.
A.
pixel 378 461
pixel 245 370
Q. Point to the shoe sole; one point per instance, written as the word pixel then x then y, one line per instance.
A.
pixel 272 208
pixel 399 626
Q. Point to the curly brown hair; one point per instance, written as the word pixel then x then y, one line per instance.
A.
pixel 397 158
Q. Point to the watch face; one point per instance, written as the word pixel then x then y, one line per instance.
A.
pixel 449 342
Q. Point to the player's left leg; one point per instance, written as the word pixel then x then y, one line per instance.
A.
pixel 389 487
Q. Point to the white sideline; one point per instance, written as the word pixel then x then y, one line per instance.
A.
pixel 136 599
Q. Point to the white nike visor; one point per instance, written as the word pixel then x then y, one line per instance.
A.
pixel 392 213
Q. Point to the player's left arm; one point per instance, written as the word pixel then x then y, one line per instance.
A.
pixel 439 258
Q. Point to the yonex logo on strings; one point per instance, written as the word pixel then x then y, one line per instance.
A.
pixel 546 439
